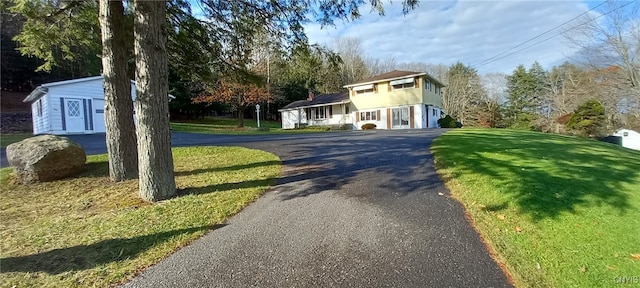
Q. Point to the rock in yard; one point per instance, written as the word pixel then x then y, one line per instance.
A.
pixel 45 158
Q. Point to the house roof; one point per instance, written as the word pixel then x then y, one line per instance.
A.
pixel 44 88
pixel 320 100
pixel 393 75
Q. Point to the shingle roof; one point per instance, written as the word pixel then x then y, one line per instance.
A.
pixel 319 100
pixel 392 75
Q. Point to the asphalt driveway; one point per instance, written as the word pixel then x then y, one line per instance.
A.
pixel 352 209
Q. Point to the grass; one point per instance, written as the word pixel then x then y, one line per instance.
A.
pixel 558 211
pixel 87 231
pixel 6 139
pixel 225 125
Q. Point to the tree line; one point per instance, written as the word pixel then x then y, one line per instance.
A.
pixel 218 49
pixel 216 55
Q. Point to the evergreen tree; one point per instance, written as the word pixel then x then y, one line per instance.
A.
pixel 588 118
pixel 522 87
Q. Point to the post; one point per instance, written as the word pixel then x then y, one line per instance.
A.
pixel 258 112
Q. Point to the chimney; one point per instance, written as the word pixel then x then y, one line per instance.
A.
pixel 311 96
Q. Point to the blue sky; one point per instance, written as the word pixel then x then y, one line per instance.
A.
pixel 444 32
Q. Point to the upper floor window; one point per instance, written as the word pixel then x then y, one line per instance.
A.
pixel 402 83
pixel 364 89
pixel 427 84
pixel 438 89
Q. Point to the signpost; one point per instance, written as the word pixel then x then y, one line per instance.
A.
pixel 258 112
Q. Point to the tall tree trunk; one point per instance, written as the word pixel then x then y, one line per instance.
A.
pixel 118 107
pixel 155 160
pixel 241 110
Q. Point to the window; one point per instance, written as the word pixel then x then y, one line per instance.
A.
pixel 369 115
pixel 435 112
pixel 366 91
pixel 625 134
pixel 403 86
pixel 320 113
pixel 39 107
pixel 403 83
pixel 427 85
pixel 438 89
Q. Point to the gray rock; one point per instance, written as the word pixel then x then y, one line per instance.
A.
pixel 45 158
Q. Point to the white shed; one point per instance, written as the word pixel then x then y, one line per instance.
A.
pixel 630 138
pixel 69 107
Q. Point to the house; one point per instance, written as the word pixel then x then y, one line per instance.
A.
pixel 70 107
pixel 393 100
pixel 630 138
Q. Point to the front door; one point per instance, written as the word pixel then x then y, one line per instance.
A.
pixel 74 115
pixel 400 118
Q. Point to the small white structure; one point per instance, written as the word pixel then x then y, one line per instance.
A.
pixel 630 138
pixel 321 110
pixel 70 107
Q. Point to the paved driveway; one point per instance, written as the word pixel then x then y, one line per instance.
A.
pixel 352 209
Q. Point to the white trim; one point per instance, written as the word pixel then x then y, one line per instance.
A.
pixel 315 105
pixel 363 87
pixel 401 81
pixel 385 80
pixel 44 88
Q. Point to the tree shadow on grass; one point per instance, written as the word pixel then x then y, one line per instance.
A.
pixel 228 168
pixel 222 187
pixel 89 256
pixel 546 175
pixel 95 169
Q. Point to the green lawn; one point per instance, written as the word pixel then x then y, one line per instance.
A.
pixel 6 139
pixel 225 125
pixel 89 232
pixel 559 211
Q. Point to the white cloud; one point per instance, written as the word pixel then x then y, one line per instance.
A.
pixel 444 32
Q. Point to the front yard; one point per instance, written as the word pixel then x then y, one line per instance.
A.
pixel 89 232
pixel 559 211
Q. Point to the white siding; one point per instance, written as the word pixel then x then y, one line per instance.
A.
pixel 630 138
pixel 40 122
pixel 381 123
pixel 433 116
pixel 291 118
pixel 90 91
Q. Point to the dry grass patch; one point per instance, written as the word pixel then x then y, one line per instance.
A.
pixel 87 231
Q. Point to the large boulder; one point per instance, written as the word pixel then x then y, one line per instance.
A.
pixel 45 158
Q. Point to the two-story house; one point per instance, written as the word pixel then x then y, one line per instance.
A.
pixel 393 100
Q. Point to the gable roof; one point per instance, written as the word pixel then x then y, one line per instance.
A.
pixel 44 88
pixel 320 100
pixel 393 75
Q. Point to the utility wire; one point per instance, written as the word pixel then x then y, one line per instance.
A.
pixel 546 39
pixel 487 61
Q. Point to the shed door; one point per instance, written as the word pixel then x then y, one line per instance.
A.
pixel 98 116
pixel 74 115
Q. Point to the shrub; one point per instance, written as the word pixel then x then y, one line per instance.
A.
pixel 448 122
pixel 368 126
pixel 588 118
pixel 314 128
